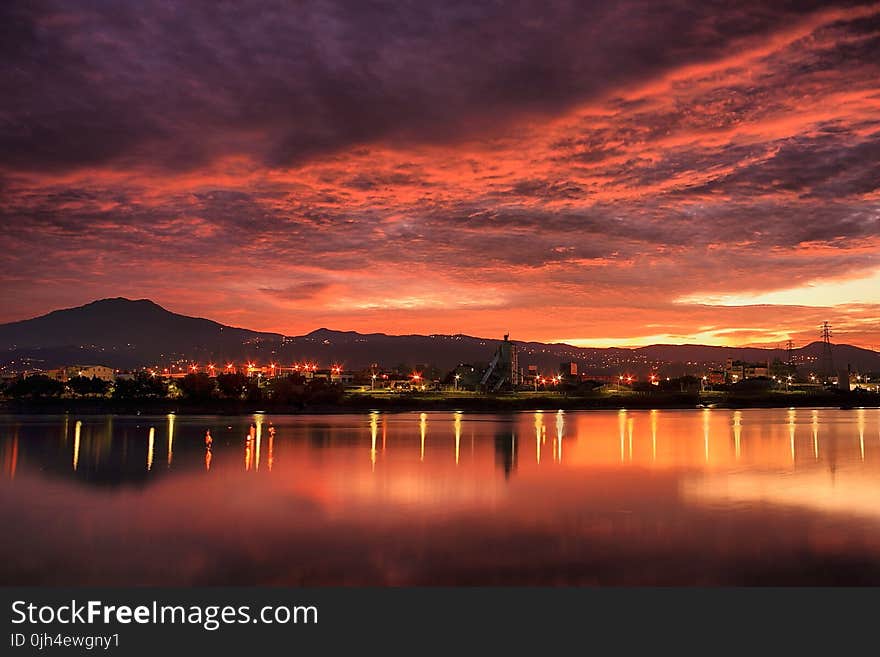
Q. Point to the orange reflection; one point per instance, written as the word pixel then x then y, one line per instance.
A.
pixel 457 435
pixel 249 447
pixel 209 444
pixel 10 457
pixel 170 436
pixel 539 426
pixel 271 458
pixel 706 418
pixel 560 429
pixel 258 419
pixel 77 431
pixel 374 431
pixel 150 444
pixel 861 417
pixel 423 428
pixel 737 434
pixel 629 429
pixel 654 436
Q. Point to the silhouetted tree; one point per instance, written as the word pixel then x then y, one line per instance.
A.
pixel 322 391
pixel 37 386
pixel 196 386
pixel 81 386
pixel 285 390
pixel 232 386
pixel 142 386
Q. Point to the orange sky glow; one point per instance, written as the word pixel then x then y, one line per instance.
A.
pixel 577 177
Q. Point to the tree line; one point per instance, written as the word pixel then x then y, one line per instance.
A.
pixel 198 387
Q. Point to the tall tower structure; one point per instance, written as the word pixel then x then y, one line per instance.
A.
pixel 827 369
pixel 789 347
pixel 503 371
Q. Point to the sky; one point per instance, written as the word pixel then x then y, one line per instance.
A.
pixel 598 173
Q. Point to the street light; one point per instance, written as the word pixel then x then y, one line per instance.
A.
pixel 457 377
pixel 373 382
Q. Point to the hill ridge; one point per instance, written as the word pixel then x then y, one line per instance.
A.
pixel 127 332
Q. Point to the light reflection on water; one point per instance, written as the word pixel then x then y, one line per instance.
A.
pixel 775 496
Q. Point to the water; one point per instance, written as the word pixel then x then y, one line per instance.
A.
pixel 580 498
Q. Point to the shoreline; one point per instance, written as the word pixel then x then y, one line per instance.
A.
pixel 470 404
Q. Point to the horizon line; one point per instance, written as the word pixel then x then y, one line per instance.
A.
pixel 596 343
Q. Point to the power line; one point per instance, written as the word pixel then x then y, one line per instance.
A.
pixel 827 359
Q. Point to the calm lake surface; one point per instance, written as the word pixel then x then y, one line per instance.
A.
pixel 671 497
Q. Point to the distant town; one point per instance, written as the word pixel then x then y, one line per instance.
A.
pixel 134 353
pixel 503 373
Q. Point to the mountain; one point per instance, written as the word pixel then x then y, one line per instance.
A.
pixel 124 333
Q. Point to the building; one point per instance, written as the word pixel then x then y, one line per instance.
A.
pixel 866 382
pixel 66 373
pixel 716 377
pixel 738 370
pixel 568 370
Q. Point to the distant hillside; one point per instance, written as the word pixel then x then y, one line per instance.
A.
pixel 124 333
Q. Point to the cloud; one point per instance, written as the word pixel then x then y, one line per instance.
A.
pixel 296 292
pixel 588 165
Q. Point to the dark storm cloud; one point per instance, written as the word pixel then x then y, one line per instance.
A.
pixel 175 84
pixel 825 166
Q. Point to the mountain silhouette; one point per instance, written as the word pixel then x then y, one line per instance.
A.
pixel 130 333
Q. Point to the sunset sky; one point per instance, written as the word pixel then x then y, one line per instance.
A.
pixel 599 173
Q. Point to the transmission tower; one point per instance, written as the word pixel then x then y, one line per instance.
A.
pixel 827 360
pixel 789 347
